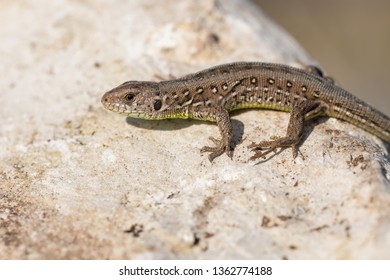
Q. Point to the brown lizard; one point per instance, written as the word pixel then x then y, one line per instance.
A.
pixel 212 93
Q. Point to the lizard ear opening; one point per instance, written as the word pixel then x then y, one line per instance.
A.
pixel 157 105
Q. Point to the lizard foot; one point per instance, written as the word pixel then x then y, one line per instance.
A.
pixel 218 150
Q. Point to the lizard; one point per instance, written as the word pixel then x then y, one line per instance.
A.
pixel 213 93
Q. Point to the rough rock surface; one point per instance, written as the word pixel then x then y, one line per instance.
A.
pixel 79 182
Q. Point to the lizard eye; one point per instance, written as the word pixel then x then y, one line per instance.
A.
pixel 157 105
pixel 129 97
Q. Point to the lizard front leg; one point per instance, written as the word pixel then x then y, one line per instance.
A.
pixel 225 128
pixel 300 112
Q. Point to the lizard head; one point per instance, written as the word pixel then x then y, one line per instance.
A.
pixel 136 99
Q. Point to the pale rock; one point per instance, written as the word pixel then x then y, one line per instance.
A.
pixel 79 182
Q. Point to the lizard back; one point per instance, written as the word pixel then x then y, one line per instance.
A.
pixel 243 85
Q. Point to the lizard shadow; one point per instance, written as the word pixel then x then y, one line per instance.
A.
pixel 238 129
pixel 308 129
pixel 177 124
pixel 163 125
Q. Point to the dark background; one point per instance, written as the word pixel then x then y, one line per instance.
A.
pixel 350 39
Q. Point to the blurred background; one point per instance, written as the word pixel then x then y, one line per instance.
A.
pixel 350 39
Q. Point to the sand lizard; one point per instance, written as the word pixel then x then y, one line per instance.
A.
pixel 212 93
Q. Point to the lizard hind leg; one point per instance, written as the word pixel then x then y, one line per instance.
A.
pixel 294 132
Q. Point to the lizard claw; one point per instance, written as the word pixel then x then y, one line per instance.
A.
pixel 216 151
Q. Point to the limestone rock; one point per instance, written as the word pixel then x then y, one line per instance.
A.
pixel 79 182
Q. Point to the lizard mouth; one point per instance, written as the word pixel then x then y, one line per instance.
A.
pixel 116 107
pixel 110 104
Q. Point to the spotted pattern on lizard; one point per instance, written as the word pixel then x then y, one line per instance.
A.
pixel 213 93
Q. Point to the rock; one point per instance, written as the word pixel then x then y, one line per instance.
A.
pixel 79 182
